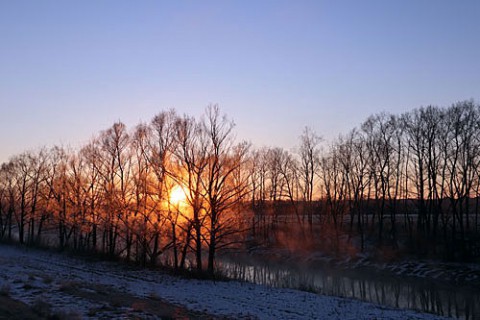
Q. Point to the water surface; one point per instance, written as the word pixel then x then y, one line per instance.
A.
pixel 426 295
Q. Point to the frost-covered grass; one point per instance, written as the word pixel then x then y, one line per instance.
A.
pixel 102 289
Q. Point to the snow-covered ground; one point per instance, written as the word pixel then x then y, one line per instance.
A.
pixel 76 286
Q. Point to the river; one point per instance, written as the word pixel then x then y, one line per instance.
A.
pixel 422 294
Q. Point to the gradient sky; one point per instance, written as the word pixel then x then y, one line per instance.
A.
pixel 69 69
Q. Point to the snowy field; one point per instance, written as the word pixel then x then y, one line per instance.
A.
pixel 100 290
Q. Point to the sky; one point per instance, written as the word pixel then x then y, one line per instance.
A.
pixel 69 69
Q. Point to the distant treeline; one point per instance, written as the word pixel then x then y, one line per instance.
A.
pixel 407 183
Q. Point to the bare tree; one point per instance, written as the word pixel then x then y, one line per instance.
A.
pixel 190 156
pixel 222 191
pixel 309 165
pixel 115 175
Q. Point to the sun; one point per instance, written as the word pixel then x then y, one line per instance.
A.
pixel 177 195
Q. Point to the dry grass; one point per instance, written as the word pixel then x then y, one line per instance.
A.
pixel 28 286
pixel 5 290
pixel 15 310
pixel 42 307
pixel 68 286
pixel 124 305
pixel 45 309
pixel 47 279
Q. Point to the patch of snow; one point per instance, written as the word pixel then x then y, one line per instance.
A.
pixel 40 271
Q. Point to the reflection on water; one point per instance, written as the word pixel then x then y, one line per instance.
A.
pixel 425 295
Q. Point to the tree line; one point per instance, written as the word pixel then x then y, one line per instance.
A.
pixel 402 182
pixel 113 195
pixel 408 183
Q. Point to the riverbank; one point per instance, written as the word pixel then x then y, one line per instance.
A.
pixel 448 273
pixel 76 288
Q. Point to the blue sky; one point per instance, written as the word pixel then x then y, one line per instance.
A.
pixel 69 69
